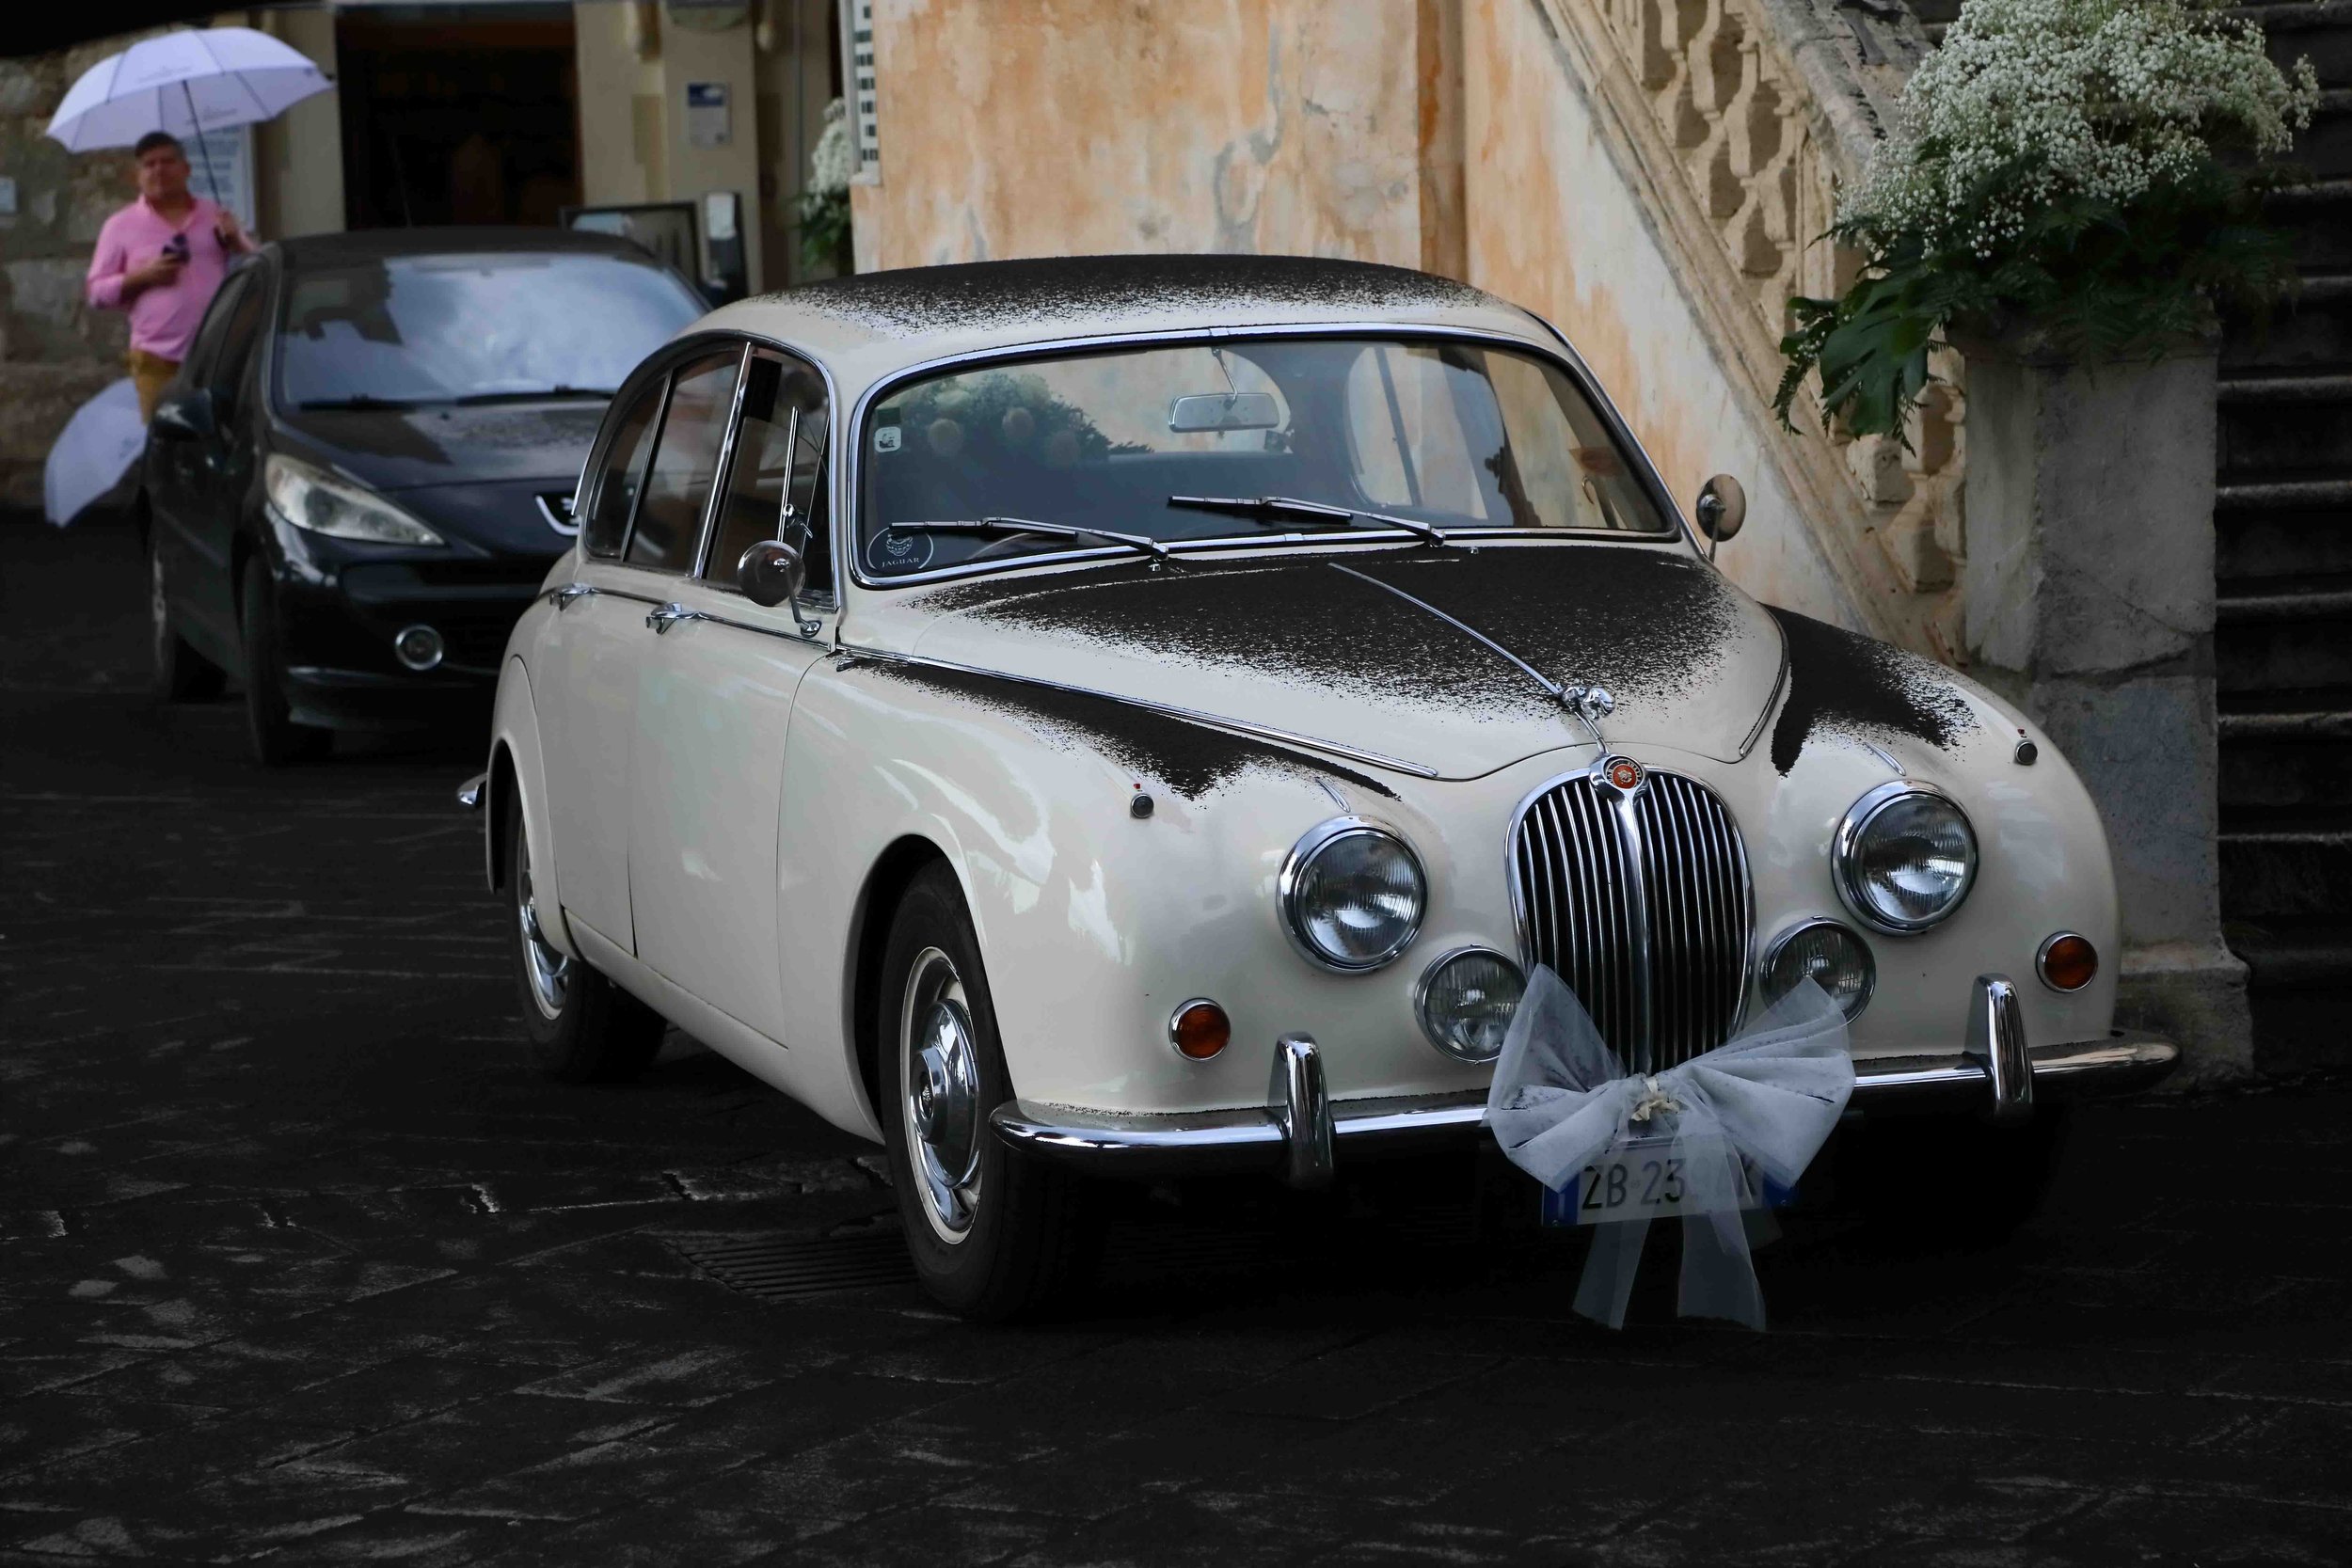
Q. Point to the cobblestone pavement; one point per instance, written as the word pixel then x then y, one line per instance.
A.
pixel 298 1263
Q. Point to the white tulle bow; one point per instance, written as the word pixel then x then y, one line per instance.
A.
pixel 1764 1102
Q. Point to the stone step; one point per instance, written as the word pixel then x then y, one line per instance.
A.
pixel 2325 148
pixel 2318 216
pixel 2296 653
pixel 2294 955
pixel 2284 425
pixel 2283 537
pixel 2309 597
pixel 2287 755
pixel 2311 332
pixel 2318 30
pixel 2286 862
pixel 2332 493
pixel 2299 988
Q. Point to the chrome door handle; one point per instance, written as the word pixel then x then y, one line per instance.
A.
pixel 663 617
pixel 562 597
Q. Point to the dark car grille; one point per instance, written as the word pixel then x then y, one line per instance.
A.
pixel 1575 862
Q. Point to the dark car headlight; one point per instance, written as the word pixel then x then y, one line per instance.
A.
pixel 1352 894
pixel 1904 857
pixel 313 499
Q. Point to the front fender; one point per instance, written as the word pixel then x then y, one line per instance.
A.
pixel 514 741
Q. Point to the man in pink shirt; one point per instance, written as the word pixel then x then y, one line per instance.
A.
pixel 163 258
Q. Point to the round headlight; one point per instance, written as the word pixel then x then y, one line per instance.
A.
pixel 1466 1003
pixel 1833 958
pixel 1904 857
pixel 1352 894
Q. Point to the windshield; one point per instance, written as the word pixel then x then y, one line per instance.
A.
pixel 1257 436
pixel 427 329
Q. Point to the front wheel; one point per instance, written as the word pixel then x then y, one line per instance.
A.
pixel 178 674
pixel 992 1235
pixel 582 1028
pixel 276 739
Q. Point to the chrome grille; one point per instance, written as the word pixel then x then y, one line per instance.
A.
pixel 1641 907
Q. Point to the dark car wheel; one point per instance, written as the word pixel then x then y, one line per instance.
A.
pixel 992 1235
pixel 178 674
pixel 268 719
pixel 1935 1185
pixel 582 1028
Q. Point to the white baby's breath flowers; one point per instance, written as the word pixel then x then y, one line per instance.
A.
pixel 833 160
pixel 2028 101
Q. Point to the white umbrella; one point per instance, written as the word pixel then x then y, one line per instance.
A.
pixel 93 452
pixel 184 82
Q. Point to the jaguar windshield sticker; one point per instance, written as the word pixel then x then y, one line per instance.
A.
pixel 1842 684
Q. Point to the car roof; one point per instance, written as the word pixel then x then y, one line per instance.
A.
pixel 369 244
pixel 870 326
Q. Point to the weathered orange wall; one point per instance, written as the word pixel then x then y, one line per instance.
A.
pixel 1060 127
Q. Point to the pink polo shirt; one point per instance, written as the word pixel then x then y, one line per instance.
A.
pixel 163 317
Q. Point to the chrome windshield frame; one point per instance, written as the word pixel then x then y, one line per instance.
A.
pixel 1563 356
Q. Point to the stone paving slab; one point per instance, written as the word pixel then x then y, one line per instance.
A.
pixel 300 1264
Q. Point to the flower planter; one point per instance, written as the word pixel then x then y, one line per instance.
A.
pixel 2089 603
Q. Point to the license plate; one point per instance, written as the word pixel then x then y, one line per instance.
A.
pixel 1645 1180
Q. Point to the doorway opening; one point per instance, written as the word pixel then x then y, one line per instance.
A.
pixel 456 114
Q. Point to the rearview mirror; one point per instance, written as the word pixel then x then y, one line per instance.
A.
pixel 185 417
pixel 1722 509
pixel 771 572
pixel 1211 411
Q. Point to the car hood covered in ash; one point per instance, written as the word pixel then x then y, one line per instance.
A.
pixel 1421 656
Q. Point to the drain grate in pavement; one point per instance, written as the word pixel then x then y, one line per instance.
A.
pixel 785 1269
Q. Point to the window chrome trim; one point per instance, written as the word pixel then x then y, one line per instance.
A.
pixel 1429 976
pixel 1311 843
pixel 1859 817
pixel 721 472
pixel 1814 922
pixel 1533 345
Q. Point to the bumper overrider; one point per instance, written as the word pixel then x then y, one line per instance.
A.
pixel 1301 1131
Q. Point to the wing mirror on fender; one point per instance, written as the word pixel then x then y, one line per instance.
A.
pixel 771 572
pixel 185 417
pixel 1722 508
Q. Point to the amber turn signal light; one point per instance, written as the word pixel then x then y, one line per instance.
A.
pixel 1199 1029
pixel 2067 962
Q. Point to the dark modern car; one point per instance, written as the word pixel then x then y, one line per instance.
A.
pixel 365 467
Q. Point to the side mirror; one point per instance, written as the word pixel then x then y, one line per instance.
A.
pixel 771 572
pixel 1722 508
pixel 185 417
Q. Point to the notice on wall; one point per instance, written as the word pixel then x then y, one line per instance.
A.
pixel 220 169
pixel 708 123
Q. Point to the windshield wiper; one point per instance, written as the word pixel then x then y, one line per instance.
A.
pixel 359 400
pixel 1309 512
pixel 1152 547
pixel 543 394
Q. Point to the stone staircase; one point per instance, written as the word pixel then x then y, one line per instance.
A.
pixel 2284 642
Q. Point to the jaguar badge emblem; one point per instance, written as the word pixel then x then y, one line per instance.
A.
pixel 1623 773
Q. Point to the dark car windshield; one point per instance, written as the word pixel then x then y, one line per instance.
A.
pixel 1453 434
pixel 428 329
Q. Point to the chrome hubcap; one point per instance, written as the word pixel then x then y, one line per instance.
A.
pixel 548 970
pixel 941 1100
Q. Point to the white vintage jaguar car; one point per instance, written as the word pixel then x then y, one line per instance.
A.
pixel 1146 715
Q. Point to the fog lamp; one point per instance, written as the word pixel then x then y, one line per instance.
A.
pixel 1466 1002
pixel 2067 962
pixel 1199 1029
pixel 417 647
pixel 1833 957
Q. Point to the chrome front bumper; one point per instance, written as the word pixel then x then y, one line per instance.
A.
pixel 1297 1135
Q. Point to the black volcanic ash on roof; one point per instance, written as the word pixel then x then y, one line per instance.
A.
pixel 1844 683
pixel 1190 758
pixel 980 295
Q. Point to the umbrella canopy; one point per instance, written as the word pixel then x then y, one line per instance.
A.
pixel 184 82
pixel 93 452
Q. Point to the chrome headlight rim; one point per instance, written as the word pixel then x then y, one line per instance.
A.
pixel 1856 822
pixel 401 530
pixel 1287 890
pixel 1773 948
pixel 1429 978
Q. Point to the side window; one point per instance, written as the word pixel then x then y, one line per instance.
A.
pixel 777 459
pixel 685 461
pixel 204 353
pixel 605 528
pixel 239 337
